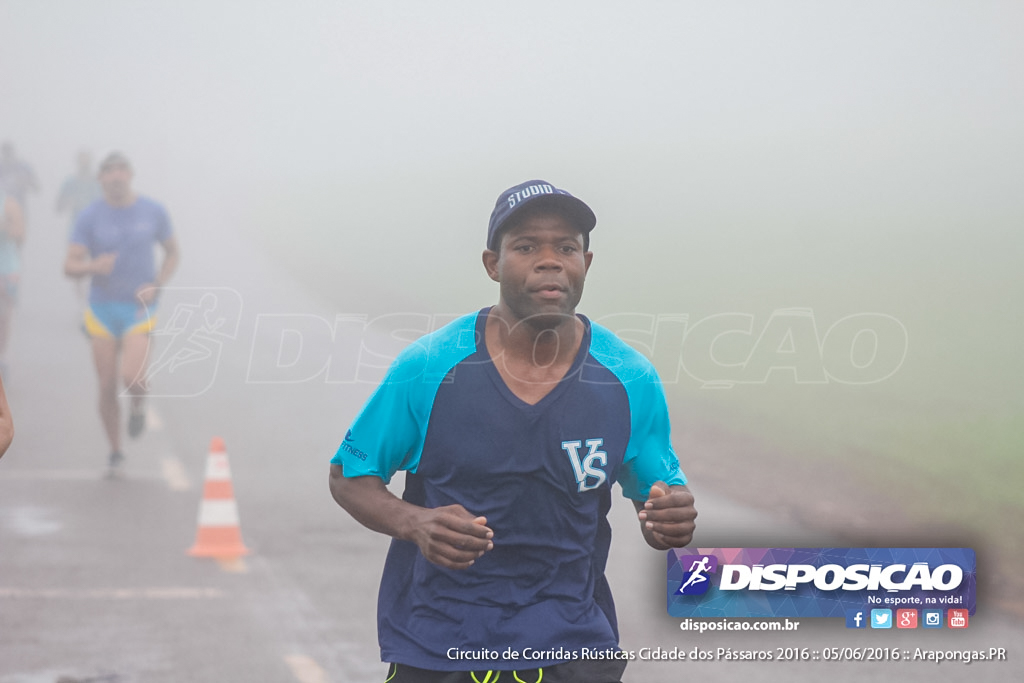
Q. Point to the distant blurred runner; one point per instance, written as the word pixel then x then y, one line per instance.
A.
pixel 113 241
pixel 12 232
pixel 78 191
pixel 6 423
pixel 16 177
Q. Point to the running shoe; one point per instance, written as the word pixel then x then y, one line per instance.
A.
pixel 116 458
pixel 137 420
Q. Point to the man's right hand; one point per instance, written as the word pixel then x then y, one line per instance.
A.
pixel 448 536
pixel 451 536
pixel 103 264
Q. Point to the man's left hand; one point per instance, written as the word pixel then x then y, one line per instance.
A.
pixel 668 516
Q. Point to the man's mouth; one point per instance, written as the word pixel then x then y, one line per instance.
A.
pixel 549 290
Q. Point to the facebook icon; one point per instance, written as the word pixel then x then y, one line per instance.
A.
pixel 855 618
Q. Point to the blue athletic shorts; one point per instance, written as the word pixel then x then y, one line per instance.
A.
pixel 115 319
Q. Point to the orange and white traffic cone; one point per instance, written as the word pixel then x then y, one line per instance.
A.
pixel 219 535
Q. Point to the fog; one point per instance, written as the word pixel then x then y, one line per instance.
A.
pixel 741 157
pixel 695 127
pixel 777 169
pixel 844 158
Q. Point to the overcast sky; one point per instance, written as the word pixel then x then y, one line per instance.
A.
pixel 359 88
pixel 716 127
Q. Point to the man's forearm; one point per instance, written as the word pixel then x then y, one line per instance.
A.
pixel 448 536
pixel 78 267
pixel 167 268
pixel 371 504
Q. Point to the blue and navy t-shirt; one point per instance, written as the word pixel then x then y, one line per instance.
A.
pixel 541 474
pixel 130 232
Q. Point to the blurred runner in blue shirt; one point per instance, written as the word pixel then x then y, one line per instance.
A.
pixel 16 176
pixel 113 241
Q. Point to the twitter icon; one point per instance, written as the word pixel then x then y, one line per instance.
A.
pixel 881 618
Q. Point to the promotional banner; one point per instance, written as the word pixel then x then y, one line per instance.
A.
pixel 823 582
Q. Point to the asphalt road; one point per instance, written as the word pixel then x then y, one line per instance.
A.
pixel 95 581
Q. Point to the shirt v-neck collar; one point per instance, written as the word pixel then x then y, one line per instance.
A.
pixel 499 381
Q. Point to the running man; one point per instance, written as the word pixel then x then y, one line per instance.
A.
pixel 6 423
pixel 698 569
pixel 17 177
pixel 79 190
pixel 113 241
pixel 512 424
pixel 12 233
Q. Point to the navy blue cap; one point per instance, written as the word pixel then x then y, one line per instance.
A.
pixel 536 193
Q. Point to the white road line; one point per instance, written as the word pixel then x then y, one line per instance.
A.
pixel 306 670
pixel 65 475
pixel 234 565
pixel 174 474
pixel 30 520
pixel 159 593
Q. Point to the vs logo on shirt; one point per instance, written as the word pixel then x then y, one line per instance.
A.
pixel 588 476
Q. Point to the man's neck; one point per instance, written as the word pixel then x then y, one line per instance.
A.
pixel 121 202
pixel 531 360
pixel 522 341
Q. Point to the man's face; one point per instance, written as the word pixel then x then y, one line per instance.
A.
pixel 116 180
pixel 541 266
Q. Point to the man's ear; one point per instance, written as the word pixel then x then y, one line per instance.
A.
pixel 588 257
pixel 490 259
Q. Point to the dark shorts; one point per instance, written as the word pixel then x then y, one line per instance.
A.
pixel 591 671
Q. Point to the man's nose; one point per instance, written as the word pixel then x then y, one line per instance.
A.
pixel 548 259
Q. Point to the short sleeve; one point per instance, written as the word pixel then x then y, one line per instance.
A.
pixel 389 431
pixel 385 436
pixel 163 225
pixel 650 456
